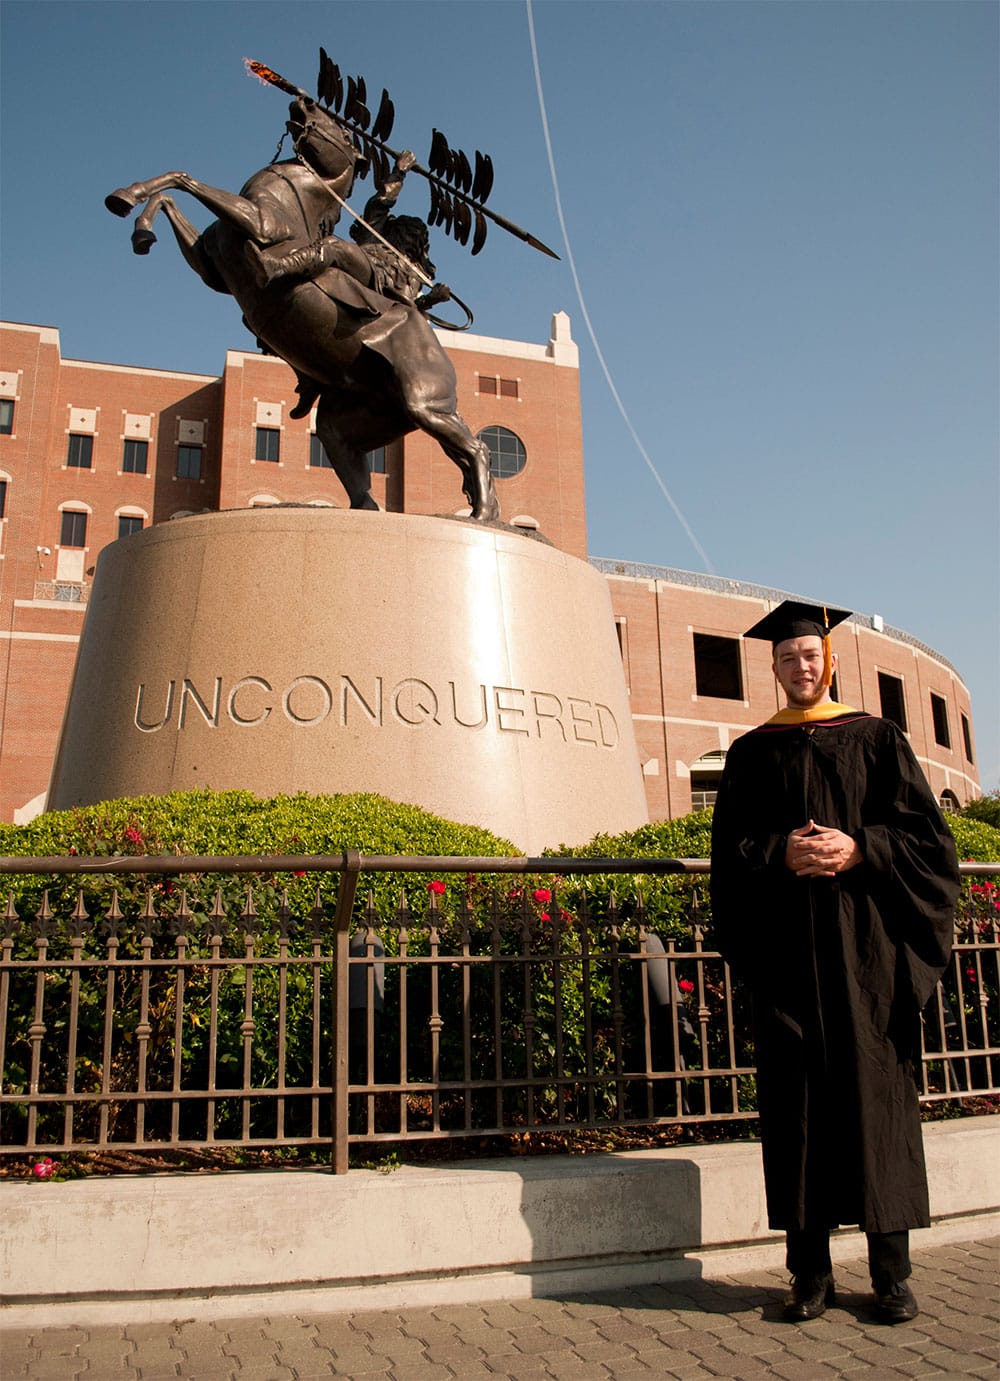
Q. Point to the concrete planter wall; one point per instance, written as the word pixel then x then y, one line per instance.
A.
pixel 178 1246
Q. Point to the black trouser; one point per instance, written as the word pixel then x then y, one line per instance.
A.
pixel 807 1253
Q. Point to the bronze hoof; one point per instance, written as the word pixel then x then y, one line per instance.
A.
pixel 142 240
pixel 121 202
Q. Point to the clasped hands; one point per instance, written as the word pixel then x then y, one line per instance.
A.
pixel 814 851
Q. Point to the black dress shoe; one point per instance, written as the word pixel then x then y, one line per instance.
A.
pixel 896 1304
pixel 808 1298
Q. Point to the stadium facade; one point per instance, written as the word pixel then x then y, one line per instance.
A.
pixel 90 453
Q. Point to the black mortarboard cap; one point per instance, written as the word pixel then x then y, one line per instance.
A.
pixel 793 619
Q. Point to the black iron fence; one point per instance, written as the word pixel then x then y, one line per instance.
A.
pixel 269 1001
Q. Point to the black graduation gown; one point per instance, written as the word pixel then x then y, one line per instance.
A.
pixel 839 967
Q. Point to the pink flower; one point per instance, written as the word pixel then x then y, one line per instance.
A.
pixel 542 894
pixel 133 836
pixel 43 1169
pixel 685 985
pixel 545 916
pixel 970 974
pixel 437 887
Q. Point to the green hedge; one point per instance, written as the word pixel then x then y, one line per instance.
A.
pixel 232 823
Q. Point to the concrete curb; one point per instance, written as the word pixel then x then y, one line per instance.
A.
pixel 195 1246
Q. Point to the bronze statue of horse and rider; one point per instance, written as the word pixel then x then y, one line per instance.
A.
pixel 345 316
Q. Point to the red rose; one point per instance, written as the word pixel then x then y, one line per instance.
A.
pixel 542 894
pixel 437 887
pixel 686 986
pixel 545 916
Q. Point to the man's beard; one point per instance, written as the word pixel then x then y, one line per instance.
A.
pixel 801 699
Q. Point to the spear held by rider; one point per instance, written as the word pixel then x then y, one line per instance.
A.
pixel 454 199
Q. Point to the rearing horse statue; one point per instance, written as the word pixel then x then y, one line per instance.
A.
pixel 381 370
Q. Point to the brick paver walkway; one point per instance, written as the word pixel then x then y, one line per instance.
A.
pixel 730 1327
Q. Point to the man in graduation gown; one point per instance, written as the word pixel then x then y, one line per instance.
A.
pixel 834 879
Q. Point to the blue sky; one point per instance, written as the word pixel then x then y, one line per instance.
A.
pixel 784 218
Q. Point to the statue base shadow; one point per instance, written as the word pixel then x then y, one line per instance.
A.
pixel 463 668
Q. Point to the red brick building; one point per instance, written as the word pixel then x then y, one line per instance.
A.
pixel 91 452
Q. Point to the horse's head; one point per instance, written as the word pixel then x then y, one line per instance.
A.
pixel 320 141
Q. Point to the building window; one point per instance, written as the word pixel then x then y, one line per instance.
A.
pixel 939 711
pixel 6 416
pixel 73 532
pixel 268 444
pixel 127 525
pixel 621 628
pixel 507 454
pixel 80 455
pixel 189 462
pixel 705 776
pixel 949 803
pixel 376 461
pixel 135 457
pixel 890 694
pixel 496 387
pixel 967 738
pixel 3 498
pixel 318 457
pixel 717 670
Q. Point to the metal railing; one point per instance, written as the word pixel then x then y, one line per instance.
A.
pixel 261 1002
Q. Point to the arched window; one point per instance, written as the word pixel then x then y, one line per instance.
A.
pixel 949 803
pixel 705 774
pixel 130 519
pixel 507 454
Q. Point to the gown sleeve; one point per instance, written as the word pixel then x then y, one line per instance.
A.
pixel 912 860
pixel 746 856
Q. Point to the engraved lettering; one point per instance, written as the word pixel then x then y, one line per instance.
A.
pixel 326 700
pixel 189 692
pixel 507 709
pixel 347 687
pixel 234 715
pixel 309 700
pixel 420 699
pixel 604 719
pixel 465 723
pixel 552 715
pixel 580 721
pixel 152 728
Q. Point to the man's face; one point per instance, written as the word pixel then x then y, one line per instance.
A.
pixel 798 665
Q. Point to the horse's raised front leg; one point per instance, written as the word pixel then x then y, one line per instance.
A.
pixel 231 207
pixel 188 238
